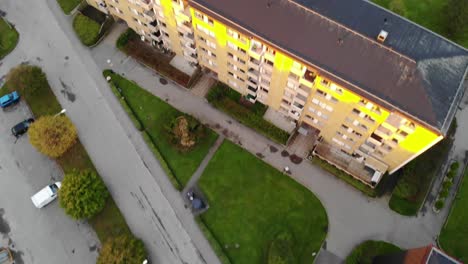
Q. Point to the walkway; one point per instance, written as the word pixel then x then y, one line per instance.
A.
pixel 198 173
pixel 353 217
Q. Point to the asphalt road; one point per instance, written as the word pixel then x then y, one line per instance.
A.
pixel 44 235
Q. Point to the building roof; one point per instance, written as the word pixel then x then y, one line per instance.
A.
pixel 414 71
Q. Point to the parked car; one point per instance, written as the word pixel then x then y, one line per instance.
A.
pixel 46 195
pixel 9 99
pixel 22 127
pixel 5 256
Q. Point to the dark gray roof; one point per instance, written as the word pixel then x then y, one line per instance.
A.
pixel 415 71
pixel 438 257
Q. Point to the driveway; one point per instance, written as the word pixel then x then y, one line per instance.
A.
pixel 44 235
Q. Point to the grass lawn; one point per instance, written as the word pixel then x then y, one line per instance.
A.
pixel 365 252
pixel 8 38
pixel 68 5
pixel 454 235
pixel 87 29
pixel 229 101
pixel 156 115
pixel 34 88
pixel 255 206
pixel 428 13
pixel 416 177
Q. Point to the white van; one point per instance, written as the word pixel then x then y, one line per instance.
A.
pixel 46 195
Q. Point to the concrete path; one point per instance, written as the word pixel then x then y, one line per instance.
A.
pixel 198 173
pixel 353 217
pixel 203 85
pixel 48 40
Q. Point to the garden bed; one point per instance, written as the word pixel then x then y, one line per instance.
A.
pixel 34 88
pixel 231 102
pixel 8 38
pixel 254 208
pixel 68 5
pixel 365 252
pixel 416 177
pixel 155 117
pixel 130 43
pixel 91 25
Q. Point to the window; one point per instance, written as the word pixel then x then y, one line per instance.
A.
pixel 230 55
pixel 198 15
pixel 320 92
pixel 325 82
pixel 355 111
pixel 241 61
pixel 232 45
pixel 210 21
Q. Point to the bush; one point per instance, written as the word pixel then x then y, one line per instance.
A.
pixel 125 37
pixel 86 29
pixel 368 250
pixel 455 166
pixel 122 249
pixel 83 194
pixel 27 80
pixel 53 135
pixel 405 188
pixel 439 204
pixel 447 184
pixel 185 132
pixel 443 193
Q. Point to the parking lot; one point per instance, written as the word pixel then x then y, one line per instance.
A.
pixel 34 235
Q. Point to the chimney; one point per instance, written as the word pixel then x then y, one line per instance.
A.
pixel 382 36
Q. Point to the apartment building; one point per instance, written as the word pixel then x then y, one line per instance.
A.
pixel 369 89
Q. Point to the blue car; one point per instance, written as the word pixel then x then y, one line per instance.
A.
pixel 9 99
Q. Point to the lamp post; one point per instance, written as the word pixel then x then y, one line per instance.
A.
pixel 61 112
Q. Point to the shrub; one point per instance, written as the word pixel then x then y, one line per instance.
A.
pixel 447 184
pixel 27 79
pixel 405 188
pixel 443 193
pixel 86 29
pixel 53 135
pixel 125 37
pixel 185 132
pixel 122 249
pixel 83 194
pixel 455 166
pixel 439 204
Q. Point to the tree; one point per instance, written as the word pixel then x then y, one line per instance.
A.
pixel 83 194
pixel 122 249
pixel 397 6
pixel 53 135
pixel 457 19
pixel 27 79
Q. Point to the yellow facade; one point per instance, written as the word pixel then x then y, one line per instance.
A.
pixel 345 120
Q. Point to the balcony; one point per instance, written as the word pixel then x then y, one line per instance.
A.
pixel 301 99
pixel 294 114
pixel 156 35
pixel 268 66
pixel 191 48
pixel 149 15
pixel 269 55
pixel 252 82
pixel 256 49
pixel 186 27
pixel 254 64
pixel 189 38
pixel 253 73
pixel 293 79
pixel 252 98
pixel 153 25
pixel 183 14
pixel 191 57
pixel 146 4
pixel 303 90
pixel 177 5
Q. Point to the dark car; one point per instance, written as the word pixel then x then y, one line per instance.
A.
pixel 21 127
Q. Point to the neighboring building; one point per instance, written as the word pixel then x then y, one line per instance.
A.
pixel 375 90
pixel 424 255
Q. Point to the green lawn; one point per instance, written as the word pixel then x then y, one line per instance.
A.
pixel 228 100
pixel 155 115
pixel 34 88
pixel 365 252
pixel 431 14
pixel 68 5
pixel 454 235
pixel 86 29
pixel 416 177
pixel 8 38
pixel 257 207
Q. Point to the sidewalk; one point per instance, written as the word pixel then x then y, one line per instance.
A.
pixel 353 217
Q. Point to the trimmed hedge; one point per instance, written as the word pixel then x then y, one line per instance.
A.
pixel 226 99
pixel 86 29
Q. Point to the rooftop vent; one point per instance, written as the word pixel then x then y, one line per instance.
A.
pixel 382 36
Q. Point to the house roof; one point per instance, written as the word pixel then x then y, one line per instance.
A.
pixel 414 71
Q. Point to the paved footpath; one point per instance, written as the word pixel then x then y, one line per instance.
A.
pixel 353 217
